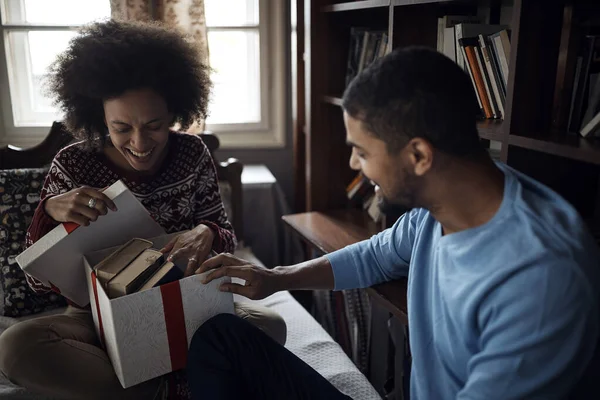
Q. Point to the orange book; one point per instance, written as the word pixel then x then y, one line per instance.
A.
pixel 354 182
pixel 485 102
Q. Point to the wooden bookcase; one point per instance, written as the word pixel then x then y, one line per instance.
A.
pixel 532 136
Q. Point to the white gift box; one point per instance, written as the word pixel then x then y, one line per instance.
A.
pixel 57 258
pixel 147 334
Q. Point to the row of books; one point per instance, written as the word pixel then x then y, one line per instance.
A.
pixel 584 111
pixel 135 267
pixel 483 50
pixel 360 192
pixel 366 46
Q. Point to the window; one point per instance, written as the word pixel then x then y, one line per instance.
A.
pixel 246 108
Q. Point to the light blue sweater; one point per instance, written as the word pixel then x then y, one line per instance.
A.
pixel 507 310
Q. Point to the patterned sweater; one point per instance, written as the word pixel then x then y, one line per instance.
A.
pixel 181 195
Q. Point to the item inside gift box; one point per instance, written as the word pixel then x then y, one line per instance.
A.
pixel 134 267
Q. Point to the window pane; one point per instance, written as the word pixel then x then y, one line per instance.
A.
pixel 30 54
pixel 56 12
pixel 231 12
pixel 234 55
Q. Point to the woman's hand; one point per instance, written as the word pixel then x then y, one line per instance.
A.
pixel 82 206
pixel 193 246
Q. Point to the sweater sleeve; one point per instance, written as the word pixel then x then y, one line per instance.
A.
pixel 57 182
pixel 384 257
pixel 210 210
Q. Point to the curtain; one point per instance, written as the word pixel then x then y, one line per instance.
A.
pixel 186 15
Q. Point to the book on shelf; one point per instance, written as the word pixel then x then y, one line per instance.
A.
pixel 466 30
pixel 374 211
pixel 365 47
pixel 592 128
pixel 468 47
pixel 361 192
pixel 585 96
pixel 446 42
pixel 483 51
pixel 500 46
pixel 493 75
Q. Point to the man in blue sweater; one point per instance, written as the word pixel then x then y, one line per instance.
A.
pixel 503 274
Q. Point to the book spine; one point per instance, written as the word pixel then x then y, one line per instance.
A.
pixel 486 81
pixel 440 34
pixel 470 72
pixel 472 59
pixel 578 106
pixel 363 54
pixel 591 126
pixel 496 65
pixel 458 34
pixel 492 77
pixel 502 57
pixel 449 44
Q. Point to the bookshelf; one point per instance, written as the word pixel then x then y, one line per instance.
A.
pixel 537 93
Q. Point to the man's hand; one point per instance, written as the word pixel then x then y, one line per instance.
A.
pixel 260 282
pixel 192 247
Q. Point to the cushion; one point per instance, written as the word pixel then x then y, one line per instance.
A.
pixel 20 194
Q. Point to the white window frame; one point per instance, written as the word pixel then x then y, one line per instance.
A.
pixel 268 133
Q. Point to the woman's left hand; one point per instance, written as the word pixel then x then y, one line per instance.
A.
pixel 193 246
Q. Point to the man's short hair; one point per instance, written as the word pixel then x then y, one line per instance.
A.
pixel 416 92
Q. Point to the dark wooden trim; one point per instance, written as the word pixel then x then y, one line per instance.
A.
pixel 333 230
pixel 12 157
pixel 491 129
pixel 231 171
pixel 299 114
pixel 573 147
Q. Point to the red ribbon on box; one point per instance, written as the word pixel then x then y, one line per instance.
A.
pixel 175 322
pixel 70 226
pixel 95 287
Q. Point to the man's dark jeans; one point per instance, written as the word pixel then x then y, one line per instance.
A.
pixel 231 359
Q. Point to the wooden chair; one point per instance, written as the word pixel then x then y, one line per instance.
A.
pixel 230 171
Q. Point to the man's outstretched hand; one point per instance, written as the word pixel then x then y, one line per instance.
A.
pixel 260 282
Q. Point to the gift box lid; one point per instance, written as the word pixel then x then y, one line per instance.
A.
pixel 57 258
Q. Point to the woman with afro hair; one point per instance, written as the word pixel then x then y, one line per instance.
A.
pixel 122 86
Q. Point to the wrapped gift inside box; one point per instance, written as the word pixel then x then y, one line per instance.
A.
pixel 147 334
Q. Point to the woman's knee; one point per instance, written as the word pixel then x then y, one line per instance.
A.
pixel 17 346
pixel 267 320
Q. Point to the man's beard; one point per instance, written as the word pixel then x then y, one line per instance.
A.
pixel 391 210
pixel 402 200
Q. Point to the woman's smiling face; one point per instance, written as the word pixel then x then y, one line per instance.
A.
pixel 138 123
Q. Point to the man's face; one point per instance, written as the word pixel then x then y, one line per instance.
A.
pixel 394 174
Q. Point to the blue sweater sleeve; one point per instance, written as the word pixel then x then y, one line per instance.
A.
pixel 382 258
pixel 536 342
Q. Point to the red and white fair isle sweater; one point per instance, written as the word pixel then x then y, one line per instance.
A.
pixel 181 195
